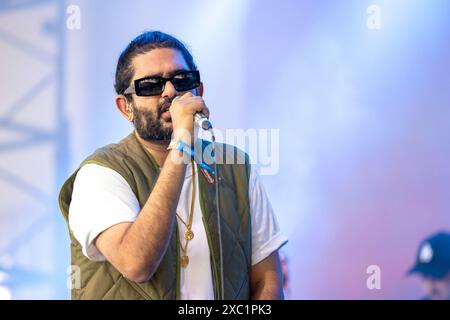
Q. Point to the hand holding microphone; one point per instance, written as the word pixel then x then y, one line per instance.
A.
pixel 186 110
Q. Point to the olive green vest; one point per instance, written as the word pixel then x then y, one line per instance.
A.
pixel 100 280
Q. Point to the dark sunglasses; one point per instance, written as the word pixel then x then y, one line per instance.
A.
pixel 152 86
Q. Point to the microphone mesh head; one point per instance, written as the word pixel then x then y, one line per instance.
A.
pixel 202 121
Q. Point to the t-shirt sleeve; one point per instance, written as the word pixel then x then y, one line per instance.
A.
pixel 101 198
pixel 266 234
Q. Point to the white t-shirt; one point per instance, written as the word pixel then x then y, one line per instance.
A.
pixel 102 198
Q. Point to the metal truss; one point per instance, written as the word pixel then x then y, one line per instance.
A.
pixel 18 136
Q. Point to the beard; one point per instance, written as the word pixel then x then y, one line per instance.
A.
pixel 149 124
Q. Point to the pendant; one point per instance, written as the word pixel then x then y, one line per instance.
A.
pixel 189 235
pixel 184 261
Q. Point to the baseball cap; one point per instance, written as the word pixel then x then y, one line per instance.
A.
pixel 433 256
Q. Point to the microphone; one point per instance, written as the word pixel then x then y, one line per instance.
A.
pixel 202 121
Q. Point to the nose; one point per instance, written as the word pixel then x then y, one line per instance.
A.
pixel 169 90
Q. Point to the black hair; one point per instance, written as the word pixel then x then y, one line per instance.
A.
pixel 142 44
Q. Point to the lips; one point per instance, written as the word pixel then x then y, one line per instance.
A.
pixel 164 110
pixel 165 113
pixel 166 116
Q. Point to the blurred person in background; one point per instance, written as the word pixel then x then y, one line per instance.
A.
pixel 433 266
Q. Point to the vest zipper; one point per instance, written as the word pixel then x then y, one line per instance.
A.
pixel 215 268
pixel 216 271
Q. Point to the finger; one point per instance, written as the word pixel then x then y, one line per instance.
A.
pixel 205 111
pixel 186 95
pixel 195 103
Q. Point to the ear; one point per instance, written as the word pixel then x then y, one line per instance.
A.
pixel 124 107
pixel 200 90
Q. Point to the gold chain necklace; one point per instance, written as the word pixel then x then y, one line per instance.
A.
pixel 188 234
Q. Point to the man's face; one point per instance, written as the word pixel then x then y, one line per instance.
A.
pixel 437 289
pixel 151 119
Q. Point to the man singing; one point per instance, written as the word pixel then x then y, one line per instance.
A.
pixel 142 223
